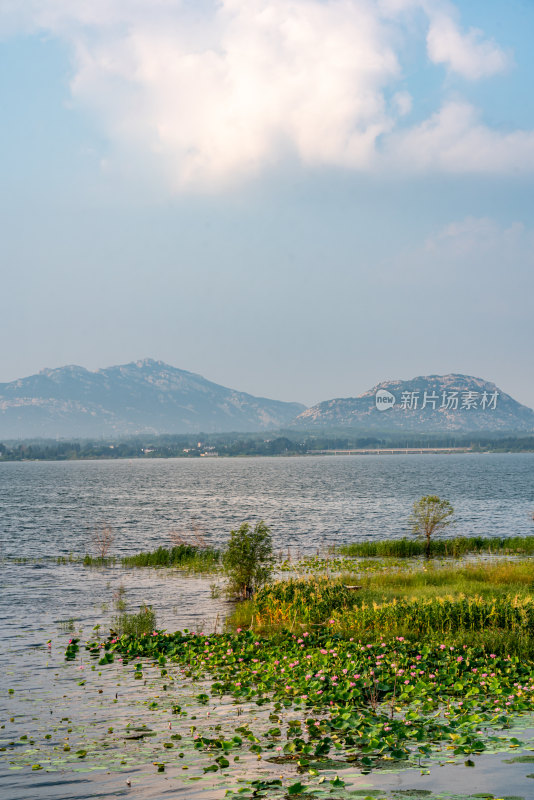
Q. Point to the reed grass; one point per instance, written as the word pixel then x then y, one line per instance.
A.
pixel 144 622
pixel 455 547
pixel 183 556
pixel 97 561
pixel 492 603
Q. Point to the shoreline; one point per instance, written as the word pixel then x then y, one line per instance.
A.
pixel 311 454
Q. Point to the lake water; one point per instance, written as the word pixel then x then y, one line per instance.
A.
pixel 51 509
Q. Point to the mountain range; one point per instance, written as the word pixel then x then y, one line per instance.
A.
pixel 141 397
pixel 152 397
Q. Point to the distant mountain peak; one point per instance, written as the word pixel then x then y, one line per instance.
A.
pixel 149 362
pixel 425 404
pixel 145 396
pixel 67 369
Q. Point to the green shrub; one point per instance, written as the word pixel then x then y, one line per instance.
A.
pixel 248 560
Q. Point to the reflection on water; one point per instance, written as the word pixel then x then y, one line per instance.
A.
pixel 71 703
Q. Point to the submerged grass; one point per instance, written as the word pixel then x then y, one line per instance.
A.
pixel 455 547
pixel 183 556
pixel 140 624
pixel 98 561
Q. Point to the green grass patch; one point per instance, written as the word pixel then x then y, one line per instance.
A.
pixel 97 561
pixel 455 547
pixel 492 603
pixel 183 556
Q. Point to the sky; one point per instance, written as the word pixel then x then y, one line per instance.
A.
pixel 293 198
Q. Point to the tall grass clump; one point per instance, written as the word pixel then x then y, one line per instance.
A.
pixel 98 561
pixel 144 622
pixel 455 547
pixel 303 600
pixel 423 617
pixel 183 556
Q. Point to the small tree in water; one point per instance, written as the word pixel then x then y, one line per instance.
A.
pixel 430 516
pixel 103 538
pixel 248 560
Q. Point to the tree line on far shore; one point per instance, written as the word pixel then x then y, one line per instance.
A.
pixel 264 444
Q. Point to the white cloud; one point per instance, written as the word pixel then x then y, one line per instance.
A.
pixel 480 237
pixel 468 54
pixel 228 97
pixel 217 90
pixel 454 140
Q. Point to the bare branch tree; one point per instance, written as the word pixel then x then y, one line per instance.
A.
pixel 103 538
pixel 195 537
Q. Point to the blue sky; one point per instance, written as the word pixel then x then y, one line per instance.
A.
pixel 295 198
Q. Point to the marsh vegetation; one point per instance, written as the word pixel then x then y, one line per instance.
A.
pixel 439 548
pixel 485 603
pixel 385 661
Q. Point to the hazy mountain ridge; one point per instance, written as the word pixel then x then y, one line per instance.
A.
pixel 362 413
pixel 152 397
pixel 143 396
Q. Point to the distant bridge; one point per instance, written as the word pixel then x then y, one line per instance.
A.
pixel 389 451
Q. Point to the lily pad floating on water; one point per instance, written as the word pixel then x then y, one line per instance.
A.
pixel 337 783
pixel 139 733
pixel 297 788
